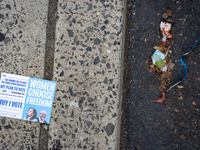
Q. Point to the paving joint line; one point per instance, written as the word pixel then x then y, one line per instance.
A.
pixel 49 62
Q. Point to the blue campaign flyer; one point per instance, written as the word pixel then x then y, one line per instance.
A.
pixel 26 98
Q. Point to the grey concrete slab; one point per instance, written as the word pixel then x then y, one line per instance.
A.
pixel 23 24
pixel 87 67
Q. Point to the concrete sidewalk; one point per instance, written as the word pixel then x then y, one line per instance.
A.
pixel 88 60
pixel 22 52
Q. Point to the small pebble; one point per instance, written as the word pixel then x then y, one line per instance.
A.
pixel 98 13
pixel 2 37
pixel 91 75
pixel 108 51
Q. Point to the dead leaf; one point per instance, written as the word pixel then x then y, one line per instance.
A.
pixel 158 48
pixel 182 136
pixel 164 43
pixel 198 78
pixel 170 65
pixel 163 47
pixel 167 51
pixel 193 103
pixel 152 68
pixel 169 12
pixel 163 82
pixel 180 94
pixel 163 85
pixel 180 98
pixel 158 70
pixel 167 59
pixel 176 110
pixel 161 88
pixel 180 86
pixel 165 74
pixel 182 123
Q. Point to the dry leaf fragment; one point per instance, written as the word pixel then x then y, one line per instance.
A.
pixel 163 82
pixel 167 59
pixel 165 74
pixel 158 48
pixel 180 86
pixel 169 12
pixel 163 47
pixel 193 103
pixel 152 68
pixel 158 70
pixel 170 66
pixel 180 98
pixel 182 136
pixel 176 110
pixel 182 123
pixel 167 51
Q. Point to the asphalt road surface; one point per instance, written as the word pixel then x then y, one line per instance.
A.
pixel 148 125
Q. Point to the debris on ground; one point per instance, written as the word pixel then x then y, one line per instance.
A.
pixel 182 136
pixel 162 98
pixel 180 86
pixel 193 103
pixel 160 61
pixel 182 123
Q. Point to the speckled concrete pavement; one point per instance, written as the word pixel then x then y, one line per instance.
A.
pixel 87 67
pixel 88 62
pixel 23 38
